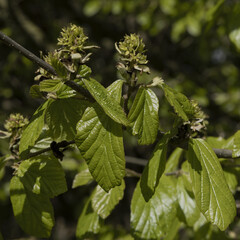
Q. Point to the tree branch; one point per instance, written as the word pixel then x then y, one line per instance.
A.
pixel 58 145
pixel 223 153
pixel 11 43
pixel 80 90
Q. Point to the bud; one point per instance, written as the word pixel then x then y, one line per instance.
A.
pixel 72 39
pixel 15 121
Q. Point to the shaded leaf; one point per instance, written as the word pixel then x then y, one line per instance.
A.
pixel 212 194
pixel 154 169
pixel 110 106
pixel 33 129
pixel 43 175
pixel 153 219
pixel 88 222
pixel 173 160
pixel 104 202
pixel 100 142
pixel 62 116
pixel 35 91
pixel 181 104
pixel 33 212
pixel 189 211
pixel 143 116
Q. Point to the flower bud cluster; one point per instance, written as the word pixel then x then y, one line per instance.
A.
pixel 15 121
pixel 132 54
pixel 71 54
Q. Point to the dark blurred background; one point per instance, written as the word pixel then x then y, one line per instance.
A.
pixel 193 45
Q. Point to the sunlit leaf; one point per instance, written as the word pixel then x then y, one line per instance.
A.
pixel 88 222
pixel 83 177
pixel 109 104
pixel 34 129
pixel 33 212
pixel 50 85
pixel 212 194
pixel 143 116
pixel 235 38
pixel 236 145
pixel 103 203
pixel 43 175
pixel 153 219
pixel 100 142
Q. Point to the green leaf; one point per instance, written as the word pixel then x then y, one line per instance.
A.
pixel 33 212
pixel 103 203
pixel 173 160
pixel 153 219
pixel 154 169
pixel 110 106
pixel 1 237
pixel 43 175
pixel 216 142
pixel 143 116
pixel 189 211
pixel 172 233
pixel 84 71
pixel 212 194
pixel 35 91
pixel 50 85
pixel 231 179
pixel 33 130
pixel 236 145
pixel 100 142
pixel 92 7
pixel 62 116
pixel 83 177
pixel 65 92
pixel 88 222
pixel 234 37
pixel 181 104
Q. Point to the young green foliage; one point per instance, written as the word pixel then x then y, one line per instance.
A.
pixel 103 203
pixel 100 141
pixel 33 129
pixel 153 171
pixel 143 116
pixel 153 219
pixel 212 194
pixel 78 109
pixel 110 106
